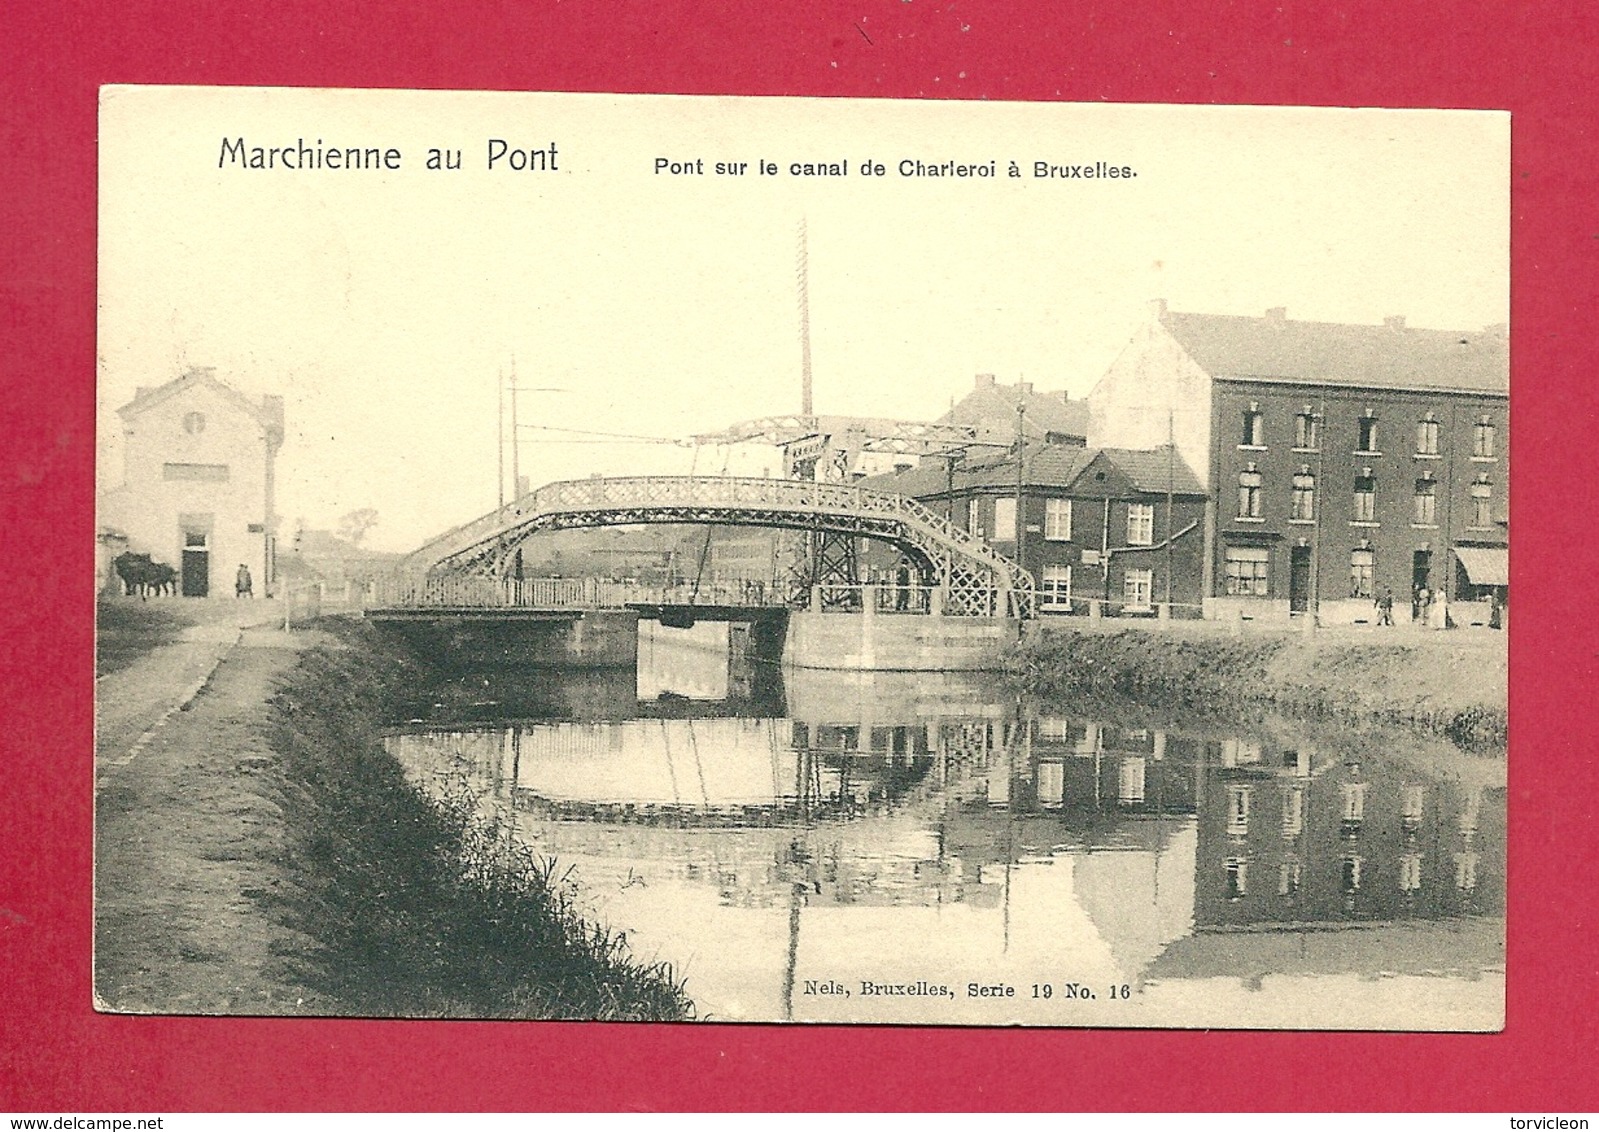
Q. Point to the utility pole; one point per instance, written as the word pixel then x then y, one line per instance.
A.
pixel 499 400
pixel 803 269
pixel 1171 527
pixel 516 440
pixel 1021 461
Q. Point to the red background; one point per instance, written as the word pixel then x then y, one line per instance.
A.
pixel 56 1054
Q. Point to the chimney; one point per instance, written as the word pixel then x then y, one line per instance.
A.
pixel 1157 307
pixel 1394 322
pixel 985 381
pixel 1277 314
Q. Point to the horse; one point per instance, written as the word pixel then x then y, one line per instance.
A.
pixel 143 576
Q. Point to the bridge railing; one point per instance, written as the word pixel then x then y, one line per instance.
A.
pixel 476 591
pixel 981 581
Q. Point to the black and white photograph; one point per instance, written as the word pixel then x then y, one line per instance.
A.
pixel 795 560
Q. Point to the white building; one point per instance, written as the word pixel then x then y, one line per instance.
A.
pixel 198 479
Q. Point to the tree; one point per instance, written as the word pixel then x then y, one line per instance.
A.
pixel 354 526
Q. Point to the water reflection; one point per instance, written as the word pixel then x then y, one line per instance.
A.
pixel 916 831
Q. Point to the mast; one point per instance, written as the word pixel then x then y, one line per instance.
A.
pixel 803 272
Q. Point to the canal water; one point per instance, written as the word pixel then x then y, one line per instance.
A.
pixel 929 848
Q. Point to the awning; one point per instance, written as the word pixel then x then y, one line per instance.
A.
pixel 1485 565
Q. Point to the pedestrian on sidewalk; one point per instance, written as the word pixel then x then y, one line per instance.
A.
pixel 243 585
pixel 1385 607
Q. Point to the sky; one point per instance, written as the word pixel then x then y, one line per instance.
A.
pixel 388 306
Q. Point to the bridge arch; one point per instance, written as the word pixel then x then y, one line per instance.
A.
pixel 975 579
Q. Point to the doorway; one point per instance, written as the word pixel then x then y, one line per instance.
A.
pixel 196 564
pixel 1299 579
pixel 1421 570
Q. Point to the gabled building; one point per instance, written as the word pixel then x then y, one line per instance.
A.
pixel 1342 460
pixel 992 411
pixel 1120 527
pixel 198 482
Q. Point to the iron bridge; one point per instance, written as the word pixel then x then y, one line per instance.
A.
pixel 971 578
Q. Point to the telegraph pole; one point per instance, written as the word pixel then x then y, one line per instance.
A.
pixel 803 269
pixel 516 440
pixel 1021 460
pixel 499 404
pixel 1171 471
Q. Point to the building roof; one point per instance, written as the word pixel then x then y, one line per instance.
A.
pixel 1047 465
pixel 1390 356
pixel 1153 469
pixel 991 408
pixel 269 413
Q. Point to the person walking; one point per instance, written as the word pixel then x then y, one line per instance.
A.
pixel 243 585
pixel 1385 607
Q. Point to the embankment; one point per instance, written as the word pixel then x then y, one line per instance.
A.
pixel 1449 684
pixel 417 906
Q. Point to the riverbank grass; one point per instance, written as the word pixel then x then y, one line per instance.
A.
pixel 1454 688
pixel 416 905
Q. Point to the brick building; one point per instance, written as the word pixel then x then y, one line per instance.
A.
pixel 1341 460
pixel 198 482
pixel 1097 524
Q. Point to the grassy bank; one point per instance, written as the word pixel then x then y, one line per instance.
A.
pixel 1454 688
pixel 414 905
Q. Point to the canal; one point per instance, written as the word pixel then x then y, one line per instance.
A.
pixel 929 848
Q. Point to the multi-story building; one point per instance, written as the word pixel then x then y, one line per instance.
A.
pixel 1342 461
pixel 198 481
pixel 1120 527
pixel 992 412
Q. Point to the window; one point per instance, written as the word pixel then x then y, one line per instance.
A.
pixel 1410 872
pixel 1367 434
pixel 1058 519
pixel 1362 573
pixel 1411 803
pixel 1288 874
pixel 1427 436
pixel 194 423
pixel 1304 499
pixel 1140 524
pixel 196 540
pixel 1365 499
pixel 1293 811
pixel 1237 877
pixel 1482 439
pixel 1426 502
pixel 1005 519
pixel 1354 801
pixel 1056 587
pixel 1130 781
pixel 1249 493
pixel 1254 427
pixel 1246 569
pixel 1237 810
pixel 974 516
pixel 1351 874
pixel 1051 784
pixel 1482 502
pixel 1138 588
pixel 1306 432
pixel 1465 871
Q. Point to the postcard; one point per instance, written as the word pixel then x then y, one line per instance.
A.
pixel 681 559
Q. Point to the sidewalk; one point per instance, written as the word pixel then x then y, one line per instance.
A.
pixel 187 826
pixel 132 700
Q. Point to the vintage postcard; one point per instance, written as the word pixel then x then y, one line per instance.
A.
pixel 801 560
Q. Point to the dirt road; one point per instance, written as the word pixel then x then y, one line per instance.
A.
pixel 186 826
